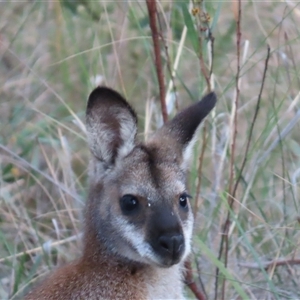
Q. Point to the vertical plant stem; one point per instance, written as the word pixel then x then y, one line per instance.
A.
pixel 252 124
pixel 212 41
pixel 207 73
pixel 189 280
pixel 237 96
pixel 227 222
pixel 151 5
pixel 204 144
pixel 204 70
pixel 225 238
pixel 233 141
pixel 168 62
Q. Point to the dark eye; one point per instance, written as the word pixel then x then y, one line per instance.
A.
pixel 183 200
pixel 129 203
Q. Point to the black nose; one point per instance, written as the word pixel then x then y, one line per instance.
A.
pixel 172 244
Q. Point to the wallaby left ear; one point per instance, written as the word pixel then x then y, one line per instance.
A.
pixel 181 129
pixel 111 126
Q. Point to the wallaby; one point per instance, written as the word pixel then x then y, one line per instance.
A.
pixel 138 219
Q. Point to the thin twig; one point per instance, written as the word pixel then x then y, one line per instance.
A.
pixel 212 41
pixel 292 57
pixel 227 222
pixel 252 124
pixel 251 128
pixel 251 131
pixel 204 143
pixel 207 75
pixel 237 79
pixel 284 205
pixel 204 71
pixel 151 5
pixel 200 279
pixel 201 158
pixel 176 62
pixel 168 62
pixel 42 248
pixel 272 263
pixel 23 164
pixel 190 282
pixel 284 132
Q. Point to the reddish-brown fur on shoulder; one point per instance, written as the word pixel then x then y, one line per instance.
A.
pixel 88 280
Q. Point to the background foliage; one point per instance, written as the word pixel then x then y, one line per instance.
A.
pixel 52 53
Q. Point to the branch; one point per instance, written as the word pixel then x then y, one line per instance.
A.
pixel 151 5
pixel 190 282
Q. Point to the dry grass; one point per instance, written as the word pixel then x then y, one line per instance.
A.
pixel 53 53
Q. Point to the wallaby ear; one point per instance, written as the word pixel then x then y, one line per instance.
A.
pixel 182 128
pixel 111 125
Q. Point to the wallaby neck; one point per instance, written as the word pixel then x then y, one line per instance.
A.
pixel 94 250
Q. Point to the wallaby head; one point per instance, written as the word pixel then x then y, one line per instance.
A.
pixel 138 207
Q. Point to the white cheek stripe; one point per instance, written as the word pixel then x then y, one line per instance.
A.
pixel 188 233
pixel 135 239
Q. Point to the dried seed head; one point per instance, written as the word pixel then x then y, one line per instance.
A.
pixel 195 11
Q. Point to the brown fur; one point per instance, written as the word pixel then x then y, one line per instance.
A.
pixel 91 278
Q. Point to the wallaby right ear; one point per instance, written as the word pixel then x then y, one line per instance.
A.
pixel 111 125
pixel 179 133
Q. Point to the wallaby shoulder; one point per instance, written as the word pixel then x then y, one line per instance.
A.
pixel 110 280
